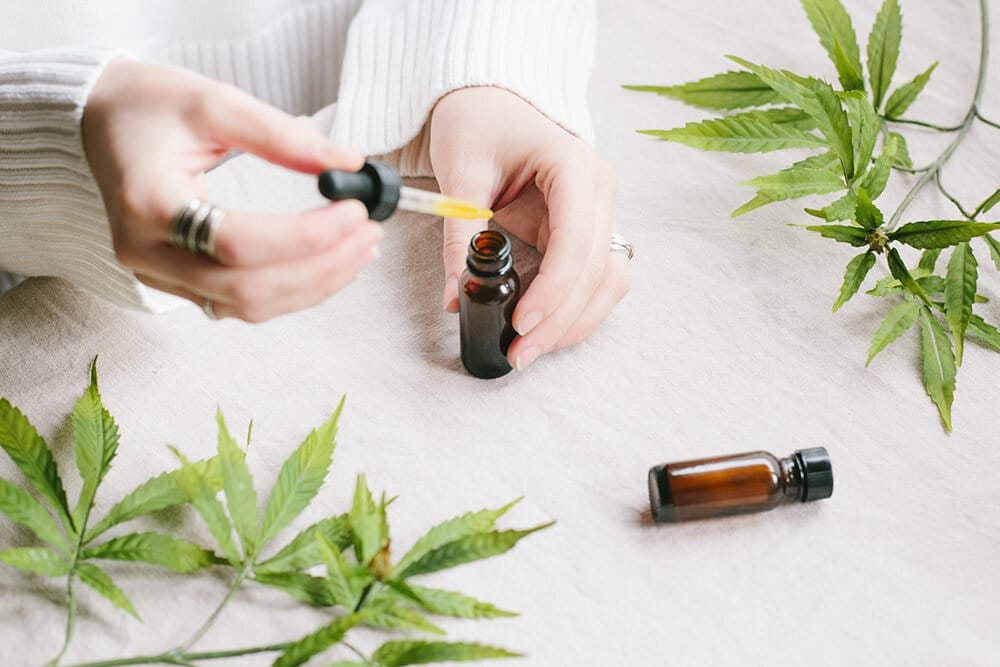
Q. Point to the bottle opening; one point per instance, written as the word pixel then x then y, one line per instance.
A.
pixel 489 252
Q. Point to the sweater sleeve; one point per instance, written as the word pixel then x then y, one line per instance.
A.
pixel 404 55
pixel 52 216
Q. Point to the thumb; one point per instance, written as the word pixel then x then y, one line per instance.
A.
pixel 241 121
pixel 458 233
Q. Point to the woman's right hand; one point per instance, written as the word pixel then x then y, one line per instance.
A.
pixel 151 131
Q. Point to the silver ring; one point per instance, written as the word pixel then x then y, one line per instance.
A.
pixel 195 226
pixel 620 244
pixel 209 309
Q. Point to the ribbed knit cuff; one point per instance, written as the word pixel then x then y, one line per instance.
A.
pixel 404 56
pixel 52 216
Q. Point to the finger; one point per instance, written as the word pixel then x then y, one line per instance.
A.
pixel 259 293
pixel 248 239
pixel 241 121
pixel 611 291
pixel 171 288
pixel 477 187
pixel 573 265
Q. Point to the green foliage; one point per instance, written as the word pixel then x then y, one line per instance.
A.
pixel 399 653
pixel 938 364
pixel 883 49
pixel 900 101
pixel 729 90
pixel 850 126
pixel 353 547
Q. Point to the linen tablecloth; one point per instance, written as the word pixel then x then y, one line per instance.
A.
pixel 725 343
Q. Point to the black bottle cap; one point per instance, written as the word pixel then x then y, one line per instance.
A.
pixel 817 473
pixel 376 185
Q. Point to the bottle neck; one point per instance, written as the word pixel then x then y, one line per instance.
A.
pixel 490 254
pixel 791 478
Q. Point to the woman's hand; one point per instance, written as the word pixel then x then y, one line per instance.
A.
pixel 151 131
pixel 548 188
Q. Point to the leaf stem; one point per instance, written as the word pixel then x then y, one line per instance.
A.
pixel 70 617
pixel 963 130
pixel 908 121
pixel 911 170
pixel 357 652
pixel 364 596
pixel 986 120
pixel 200 632
pixel 951 198
pixel 173 658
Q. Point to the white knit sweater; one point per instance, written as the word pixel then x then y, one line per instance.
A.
pixel 385 63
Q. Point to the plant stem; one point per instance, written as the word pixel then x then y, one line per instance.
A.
pixel 183 658
pixel 963 130
pixel 200 632
pixel 70 618
pixel 364 596
pixel 986 120
pixel 951 198
pixel 358 653
pixel 910 170
pixel 907 121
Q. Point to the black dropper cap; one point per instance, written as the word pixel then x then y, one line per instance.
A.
pixel 817 473
pixel 376 185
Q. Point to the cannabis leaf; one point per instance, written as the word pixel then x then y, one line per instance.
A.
pixel 467 549
pixel 241 498
pixel 883 49
pixel 299 652
pixel 739 135
pixel 938 363
pixel 22 508
pixel 836 33
pixel 399 653
pixel 932 234
pixel 960 293
pixel 102 583
pixel 857 270
pixel 154 548
pixel 906 94
pixel 729 90
pixel 303 551
pixel 895 324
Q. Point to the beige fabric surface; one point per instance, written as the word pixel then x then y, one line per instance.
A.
pixel 726 343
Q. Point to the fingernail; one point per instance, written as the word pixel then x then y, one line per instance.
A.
pixel 450 288
pixel 528 322
pixel 525 358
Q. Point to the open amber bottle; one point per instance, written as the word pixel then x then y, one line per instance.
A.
pixel 487 293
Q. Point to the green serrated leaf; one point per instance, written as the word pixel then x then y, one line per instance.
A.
pixel 451 603
pixel 35 559
pixel 878 177
pixel 865 126
pixel 22 508
pixel 938 364
pixel 338 574
pixel 30 453
pixel 988 204
pixel 160 492
pixel 202 493
pixel 850 78
pixel 102 583
pixel 303 551
pixel 833 25
pixel 960 293
pixel 902 150
pixel 299 652
pixel 793 183
pixel 458 527
pixel 883 49
pixel 96 440
pixel 895 324
pixel 367 523
pixel 759 200
pixel 867 215
pixel 154 548
pixel 238 486
pixel 729 90
pixel 929 258
pixel 994 246
pixel 985 332
pixel 400 653
pixel 790 116
pixel 466 550
pixel 899 271
pixel 738 136
pixel 827 161
pixel 932 234
pixel 842 209
pixel 396 617
pixel 301 477
pixel 930 284
pixel 311 590
pixel 857 271
pixel 900 101
pixel 853 235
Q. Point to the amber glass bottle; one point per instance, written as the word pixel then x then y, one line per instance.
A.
pixel 751 482
pixel 487 294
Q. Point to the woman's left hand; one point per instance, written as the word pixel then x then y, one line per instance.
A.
pixel 548 188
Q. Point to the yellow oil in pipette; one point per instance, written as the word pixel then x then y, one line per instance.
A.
pixel 432 203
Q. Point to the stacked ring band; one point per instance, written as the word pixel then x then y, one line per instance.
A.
pixel 195 226
pixel 620 244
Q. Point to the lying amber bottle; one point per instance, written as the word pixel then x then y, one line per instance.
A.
pixel 487 294
pixel 751 482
